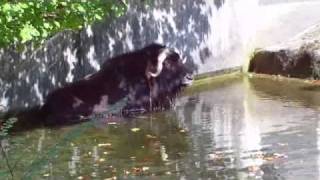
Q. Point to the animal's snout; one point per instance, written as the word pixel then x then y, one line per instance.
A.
pixel 187 80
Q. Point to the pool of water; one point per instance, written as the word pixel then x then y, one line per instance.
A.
pixel 234 127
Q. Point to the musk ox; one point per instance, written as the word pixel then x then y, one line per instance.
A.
pixel 149 79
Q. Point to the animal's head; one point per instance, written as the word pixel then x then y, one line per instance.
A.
pixel 165 76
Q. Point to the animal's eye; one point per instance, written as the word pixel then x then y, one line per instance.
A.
pixel 175 60
pixel 166 64
pixel 174 57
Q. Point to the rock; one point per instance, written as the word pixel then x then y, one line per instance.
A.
pixel 299 58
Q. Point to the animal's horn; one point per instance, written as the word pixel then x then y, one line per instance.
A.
pixel 154 70
pixel 184 60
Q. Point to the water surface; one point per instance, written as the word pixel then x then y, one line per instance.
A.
pixel 231 128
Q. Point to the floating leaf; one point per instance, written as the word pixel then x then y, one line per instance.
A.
pixel 135 129
pixel 274 156
pixel 104 144
pixel 112 178
pixel 215 156
pixel 253 168
pixel 112 123
pixel 150 136
pixel 136 170
pixel 283 144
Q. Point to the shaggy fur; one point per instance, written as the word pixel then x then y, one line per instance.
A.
pixel 149 79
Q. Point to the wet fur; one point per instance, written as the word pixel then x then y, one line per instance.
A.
pixel 122 77
pixel 133 75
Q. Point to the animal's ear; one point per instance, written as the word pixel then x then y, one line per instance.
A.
pixel 154 66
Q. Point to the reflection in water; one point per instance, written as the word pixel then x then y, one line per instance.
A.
pixel 41 139
pixel 250 138
pixel 74 163
pixel 232 128
pixel 257 127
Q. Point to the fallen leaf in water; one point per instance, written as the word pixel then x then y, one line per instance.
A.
pixel 180 154
pixel 94 174
pixel 114 170
pixel 274 156
pixel 135 129
pixel 253 168
pixel 269 158
pixel 112 178
pixel 280 155
pixel 283 144
pixel 215 156
pixel 136 170
pixel 257 155
pixel 142 117
pixel 212 156
pixel 145 168
pixel 104 145
pixel 150 136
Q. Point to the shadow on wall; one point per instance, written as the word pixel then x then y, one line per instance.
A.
pixel 29 76
pixel 26 77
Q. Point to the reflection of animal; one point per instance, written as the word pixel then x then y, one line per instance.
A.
pixel 150 78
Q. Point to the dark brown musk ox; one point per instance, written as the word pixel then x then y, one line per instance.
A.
pixel 149 79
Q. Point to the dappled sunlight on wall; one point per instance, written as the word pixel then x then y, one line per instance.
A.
pixel 30 75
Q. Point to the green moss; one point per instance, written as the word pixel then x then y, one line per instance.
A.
pixel 209 82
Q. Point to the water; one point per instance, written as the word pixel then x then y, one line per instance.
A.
pixel 232 128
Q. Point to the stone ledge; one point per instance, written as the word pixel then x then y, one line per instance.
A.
pixel 299 58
